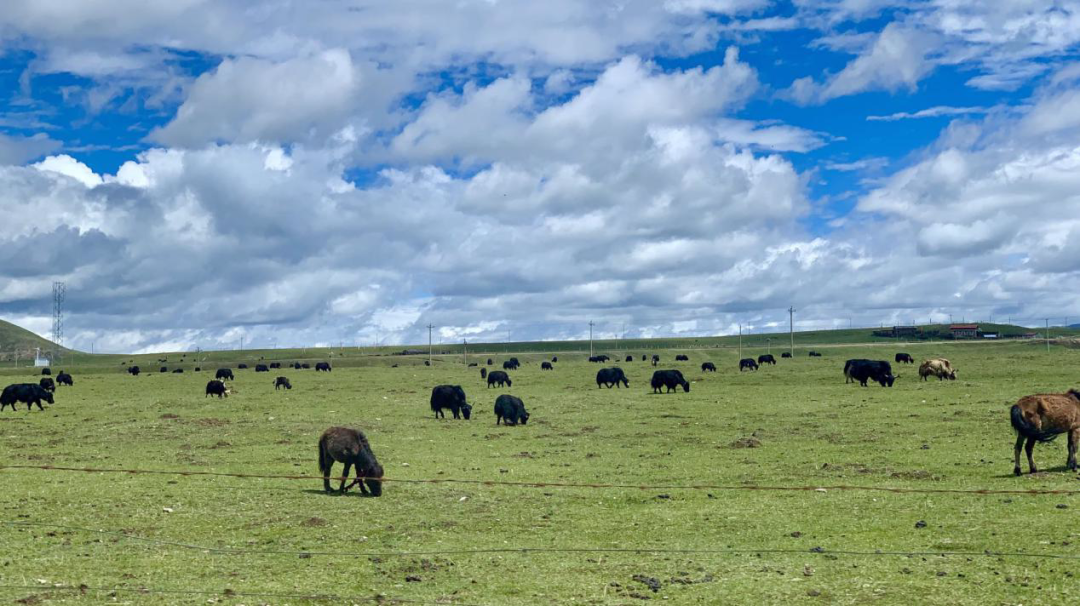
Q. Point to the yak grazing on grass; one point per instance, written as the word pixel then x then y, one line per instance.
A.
pixel 747 364
pixel 282 382
pixel 47 384
pixel 350 447
pixel 224 374
pixel 29 393
pixel 451 397
pixel 708 366
pixel 510 410
pixel 216 388
pixel 1041 418
pixel 65 379
pixel 671 379
pixel 611 376
pixel 500 377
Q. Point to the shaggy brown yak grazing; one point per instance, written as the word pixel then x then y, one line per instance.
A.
pixel 1040 418
pixel 349 446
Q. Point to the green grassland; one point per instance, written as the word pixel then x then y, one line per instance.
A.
pixel 812 428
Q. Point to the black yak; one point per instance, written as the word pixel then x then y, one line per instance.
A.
pixel 629 358
pixel 682 358
pixel 708 366
pixel 671 379
pixel 282 382
pixel 451 397
pixel 47 384
pixel 546 366
pixel 510 410
pixel 350 447
pixel 766 359
pixel 747 363
pixel 904 358
pixel 612 377
pixel 500 377
pixel 241 366
pixel 224 374
pixel 65 379
pixel 322 366
pixel 29 393
pixel 483 373
pixel 262 368
pixel 216 388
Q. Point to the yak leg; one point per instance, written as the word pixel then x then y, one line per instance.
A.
pixel 1016 454
pixel 326 476
pixel 1074 437
pixel 344 477
pixel 1030 449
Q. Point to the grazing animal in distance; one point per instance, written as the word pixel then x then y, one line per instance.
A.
pixel 643 357
pixel 216 388
pixel 242 366
pixel 629 358
pixel 708 366
pixel 164 369
pixel 554 358
pixel 322 367
pixel 46 371
pixel 471 364
pixel 305 366
pixel 178 371
pixel 546 366
pixel 786 354
pixel 510 410
pixel 509 365
pixel 47 384
pixel 671 379
pixel 262 368
pixel 747 364
pixel 813 354
pixel 282 382
pixel 904 358
pixel 500 377
pixel 274 365
pixel 612 377
pixel 655 359
pixel 490 362
pixel 483 373
pixel 938 367
pixel 296 366
pixel 450 397
pixel 65 379
pixel 426 363
pixel 28 393
pixel 682 358
pixel 1041 418
pixel 224 374
pixel 766 359
pixel 350 447
pixel 198 369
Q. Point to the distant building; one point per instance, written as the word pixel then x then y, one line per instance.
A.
pixel 964 331
pixel 1029 335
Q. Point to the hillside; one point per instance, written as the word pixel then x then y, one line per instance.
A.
pixel 16 338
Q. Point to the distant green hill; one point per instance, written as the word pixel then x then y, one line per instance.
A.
pixel 16 338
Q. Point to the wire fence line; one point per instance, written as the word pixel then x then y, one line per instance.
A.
pixel 229 593
pixel 657 550
pixel 520 484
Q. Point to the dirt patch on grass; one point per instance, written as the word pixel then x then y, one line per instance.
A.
pixel 747 442
pixel 211 422
pixel 314 522
pixel 169 416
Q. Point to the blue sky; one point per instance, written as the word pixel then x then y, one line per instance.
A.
pixel 510 171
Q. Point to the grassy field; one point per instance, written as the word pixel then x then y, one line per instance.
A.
pixel 811 428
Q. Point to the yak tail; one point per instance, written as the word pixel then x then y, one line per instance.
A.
pixel 325 460
pixel 1026 428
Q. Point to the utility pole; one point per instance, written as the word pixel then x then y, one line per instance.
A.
pixel 465 352
pixel 1048 335
pixel 590 339
pixel 241 342
pixel 791 329
pixel 740 340
pixel 429 327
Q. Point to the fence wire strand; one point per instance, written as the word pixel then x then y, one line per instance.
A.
pixel 546 550
pixel 479 482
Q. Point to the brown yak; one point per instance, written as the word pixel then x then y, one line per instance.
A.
pixel 1040 418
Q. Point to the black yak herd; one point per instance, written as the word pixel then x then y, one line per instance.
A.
pixel 1035 418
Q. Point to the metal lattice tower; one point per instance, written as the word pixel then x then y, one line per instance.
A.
pixel 59 293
